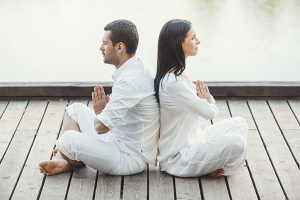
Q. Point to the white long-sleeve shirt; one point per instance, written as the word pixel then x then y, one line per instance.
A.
pixel 132 114
pixel 180 112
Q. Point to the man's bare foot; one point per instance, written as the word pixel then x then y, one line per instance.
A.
pixel 217 173
pixel 57 166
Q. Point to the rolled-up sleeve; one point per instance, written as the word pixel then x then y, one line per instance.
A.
pixel 184 99
pixel 125 96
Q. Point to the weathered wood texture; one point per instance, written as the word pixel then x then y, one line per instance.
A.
pixel 9 123
pixel 187 188
pixel 295 105
pixel 160 184
pixel 108 187
pixel 31 135
pixel 12 163
pixel 135 186
pixel 289 126
pixel 31 179
pixel 261 169
pixel 55 187
pixel 3 105
pixel 218 89
pixel 279 152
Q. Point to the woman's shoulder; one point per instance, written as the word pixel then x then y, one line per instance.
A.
pixel 171 78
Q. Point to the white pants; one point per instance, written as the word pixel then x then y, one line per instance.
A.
pixel 96 150
pixel 224 147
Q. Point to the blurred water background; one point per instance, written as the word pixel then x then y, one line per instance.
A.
pixel 59 40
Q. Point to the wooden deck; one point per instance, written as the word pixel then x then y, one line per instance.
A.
pixel 28 130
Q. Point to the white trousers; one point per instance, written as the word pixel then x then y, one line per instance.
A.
pixel 224 147
pixel 96 150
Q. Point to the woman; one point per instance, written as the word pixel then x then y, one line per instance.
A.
pixel 185 149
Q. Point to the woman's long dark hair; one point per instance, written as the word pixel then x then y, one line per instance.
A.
pixel 170 54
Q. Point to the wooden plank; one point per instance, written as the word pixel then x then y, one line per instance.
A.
pixel 55 187
pixel 216 187
pixel 288 124
pixel 9 122
pixel 160 184
pixel 187 188
pixel 262 172
pixel 284 115
pixel 241 109
pixel 82 183
pixel 3 105
pixel 31 179
pixel 108 187
pixel 16 154
pixel 83 179
pixel 135 186
pixel 295 105
pixel 282 159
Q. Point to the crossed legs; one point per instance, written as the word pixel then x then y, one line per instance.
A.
pixel 60 163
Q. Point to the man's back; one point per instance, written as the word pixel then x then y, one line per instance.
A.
pixel 134 110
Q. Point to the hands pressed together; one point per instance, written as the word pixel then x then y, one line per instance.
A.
pixel 203 91
pixel 99 99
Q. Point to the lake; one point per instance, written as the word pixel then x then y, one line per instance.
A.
pixel 58 41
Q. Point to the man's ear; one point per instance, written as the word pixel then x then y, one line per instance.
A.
pixel 121 47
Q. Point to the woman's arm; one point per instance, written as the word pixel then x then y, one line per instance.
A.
pixel 185 99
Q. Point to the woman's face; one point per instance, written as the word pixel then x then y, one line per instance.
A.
pixel 190 44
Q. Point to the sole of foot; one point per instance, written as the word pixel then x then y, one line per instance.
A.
pixel 53 167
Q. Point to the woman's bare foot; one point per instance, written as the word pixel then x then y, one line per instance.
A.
pixel 217 173
pixel 56 166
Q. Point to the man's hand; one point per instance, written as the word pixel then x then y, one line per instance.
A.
pixel 99 99
pixel 203 91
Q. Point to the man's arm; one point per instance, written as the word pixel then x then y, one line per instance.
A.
pixel 99 102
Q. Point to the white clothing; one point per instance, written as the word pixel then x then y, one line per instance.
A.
pixel 180 111
pixel 224 146
pixel 132 114
pixel 185 149
pixel 96 150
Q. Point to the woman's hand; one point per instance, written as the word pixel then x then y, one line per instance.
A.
pixel 203 91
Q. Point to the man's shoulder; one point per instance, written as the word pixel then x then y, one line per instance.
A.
pixel 136 73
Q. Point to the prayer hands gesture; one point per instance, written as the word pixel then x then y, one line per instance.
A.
pixel 99 99
pixel 203 91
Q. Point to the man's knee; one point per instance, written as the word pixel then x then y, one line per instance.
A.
pixel 67 142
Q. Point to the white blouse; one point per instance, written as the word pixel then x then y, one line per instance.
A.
pixel 180 112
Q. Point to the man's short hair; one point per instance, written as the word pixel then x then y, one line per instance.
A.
pixel 124 31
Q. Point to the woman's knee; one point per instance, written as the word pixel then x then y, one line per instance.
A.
pixel 237 144
pixel 242 126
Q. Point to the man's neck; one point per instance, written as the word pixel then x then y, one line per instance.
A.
pixel 123 60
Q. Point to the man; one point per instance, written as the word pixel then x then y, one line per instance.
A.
pixel 121 134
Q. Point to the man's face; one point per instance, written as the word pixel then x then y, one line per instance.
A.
pixel 109 51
